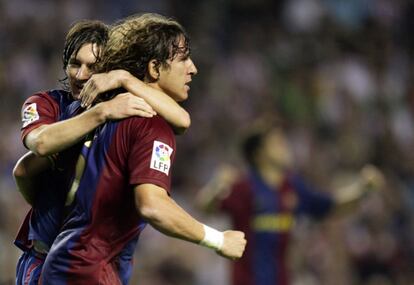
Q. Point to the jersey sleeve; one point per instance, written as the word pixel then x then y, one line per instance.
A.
pixel 237 200
pixel 312 202
pixel 39 109
pixel 152 152
pixel 22 240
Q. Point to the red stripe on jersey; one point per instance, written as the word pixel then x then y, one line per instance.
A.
pixel 47 110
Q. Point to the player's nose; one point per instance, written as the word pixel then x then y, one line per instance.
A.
pixel 192 68
pixel 84 73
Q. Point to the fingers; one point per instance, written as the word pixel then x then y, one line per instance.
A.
pixel 142 105
pixel 373 176
pixel 138 105
pixel 88 94
pixel 143 114
pixel 227 174
pixel 97 84
pixel 126 105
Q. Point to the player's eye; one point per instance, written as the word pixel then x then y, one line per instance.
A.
pixel 74 65
pixel 91 66
pixel 184 57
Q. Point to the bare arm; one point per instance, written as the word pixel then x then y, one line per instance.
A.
pixel 217 188
pixel 25 172
pixel 50 139
pixel 158 209
pixel 348 198
pixel 164 105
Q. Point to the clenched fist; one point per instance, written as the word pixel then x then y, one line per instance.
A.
pixel 233 245
pixel 372 177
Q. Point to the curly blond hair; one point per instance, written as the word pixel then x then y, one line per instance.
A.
pixel 138 39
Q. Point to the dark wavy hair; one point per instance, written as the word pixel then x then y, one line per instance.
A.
pixel 252 141
pixel 138 39
pixel 81 33
pixel 250 144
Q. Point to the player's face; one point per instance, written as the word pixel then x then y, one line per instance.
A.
pixel 174 80
pixel 276 150
pixel 79 68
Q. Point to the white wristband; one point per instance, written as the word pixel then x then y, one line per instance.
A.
pixel 212 238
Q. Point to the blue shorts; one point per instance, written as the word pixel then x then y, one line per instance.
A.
pixel 29 268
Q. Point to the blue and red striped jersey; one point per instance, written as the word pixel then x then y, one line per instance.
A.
pixel 266 215
pixel 44 220
pixel 102 221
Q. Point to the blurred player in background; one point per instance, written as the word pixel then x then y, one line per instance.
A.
pixel 42 183
pixel 265 202
pixel 124 172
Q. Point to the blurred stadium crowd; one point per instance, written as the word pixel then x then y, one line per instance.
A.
pixel 339 73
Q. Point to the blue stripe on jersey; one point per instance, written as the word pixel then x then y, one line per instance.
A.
pixel 93 152
pixel 311 202
pixel 264 247
pixel 95 161
pixel 125 260
pixel 63 98
pixel 47 214
pixel 70 110
pixel 56 263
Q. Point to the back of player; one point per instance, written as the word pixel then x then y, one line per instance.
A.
pixel 103 222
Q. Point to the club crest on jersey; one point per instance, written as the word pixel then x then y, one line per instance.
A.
pixel 30 114
pixel 160 158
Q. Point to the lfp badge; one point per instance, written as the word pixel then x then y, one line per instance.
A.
pixel 30 115
pixel 161 157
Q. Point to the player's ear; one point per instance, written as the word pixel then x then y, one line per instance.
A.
pixel 153 70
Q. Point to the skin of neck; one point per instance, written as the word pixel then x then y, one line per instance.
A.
pixel 152 83
pixel 272 174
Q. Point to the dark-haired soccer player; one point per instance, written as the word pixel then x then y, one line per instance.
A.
pixel 43 134
pixel 125 182
pixel 265 202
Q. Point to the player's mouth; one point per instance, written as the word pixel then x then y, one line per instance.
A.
pixel 79 86
pixel 187 85
pixel 76 90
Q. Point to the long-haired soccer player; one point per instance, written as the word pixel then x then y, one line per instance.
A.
pixel 42 183
pixel 125 167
